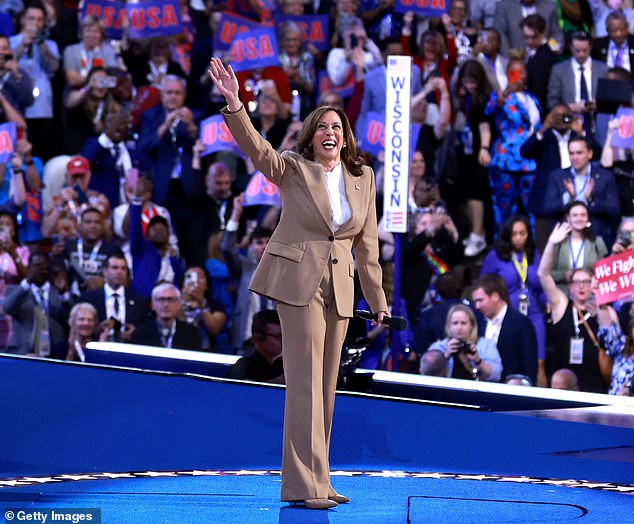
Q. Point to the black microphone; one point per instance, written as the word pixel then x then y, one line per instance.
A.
pixel 397 323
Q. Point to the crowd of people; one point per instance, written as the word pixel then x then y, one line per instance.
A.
pixel 115 224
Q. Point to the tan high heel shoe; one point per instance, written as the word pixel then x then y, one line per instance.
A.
pixel 339 499
pixel 320 503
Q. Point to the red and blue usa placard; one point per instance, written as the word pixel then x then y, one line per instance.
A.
pixel 255 49
pixel 373 139
pixel 624 135
pixel 7 141
pixel 325 85
pixel 314 27
pixel 216 136
pixel 431 8
pixel 261 192
pixel 146 20
pixel 229 26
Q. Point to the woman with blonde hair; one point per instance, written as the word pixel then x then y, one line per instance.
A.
pixel 468 356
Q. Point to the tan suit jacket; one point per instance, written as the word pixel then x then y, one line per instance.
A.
pixel 304 241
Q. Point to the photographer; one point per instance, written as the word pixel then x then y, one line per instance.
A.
pixel 468 356
pixel 87 107
pixel 39 56
pixel 15 84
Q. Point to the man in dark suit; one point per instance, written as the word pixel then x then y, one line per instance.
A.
pixel 124 308
pixel 588 182
pixel 508 13
pixel 164 329
pixel 548 145
pixel 112 156
pixel 616 49
pixel 168 134
pixel 39 314
pixel 575 81
pixel 513 332
pixel 541 57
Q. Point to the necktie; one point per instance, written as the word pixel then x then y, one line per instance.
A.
pixel 583 87
pixel 116 304
pixel 618 59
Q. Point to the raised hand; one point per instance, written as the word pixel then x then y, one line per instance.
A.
pixel 225 82
pixel 560 233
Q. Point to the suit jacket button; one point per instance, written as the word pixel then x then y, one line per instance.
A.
pixel 331 238
pixel 335 260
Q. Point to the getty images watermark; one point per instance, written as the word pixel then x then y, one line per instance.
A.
pixel 74 515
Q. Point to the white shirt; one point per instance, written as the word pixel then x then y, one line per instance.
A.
pixel 109 292
pixel 341 212
pixel 123 161
pixel 587 73
pixel 613 50
pixel 562 143
pixel 494 325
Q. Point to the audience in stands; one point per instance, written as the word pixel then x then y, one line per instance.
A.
pixel 501 105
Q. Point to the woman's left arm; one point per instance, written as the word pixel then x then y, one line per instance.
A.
pixel 366 250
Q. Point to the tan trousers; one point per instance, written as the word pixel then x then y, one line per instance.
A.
pixel 312 337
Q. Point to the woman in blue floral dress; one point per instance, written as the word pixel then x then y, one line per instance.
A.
pixel 620 347
pixel 516 113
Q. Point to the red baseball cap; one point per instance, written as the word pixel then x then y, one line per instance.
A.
pixel 78 165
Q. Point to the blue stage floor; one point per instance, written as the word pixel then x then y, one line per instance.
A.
pixel 154 448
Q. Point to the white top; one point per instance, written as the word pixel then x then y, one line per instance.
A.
pixel 494 325
pixel 341 212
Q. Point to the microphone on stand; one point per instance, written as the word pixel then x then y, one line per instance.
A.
pixel 397 323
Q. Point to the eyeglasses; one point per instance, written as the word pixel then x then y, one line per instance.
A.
pixel 581 283
pixel 166 300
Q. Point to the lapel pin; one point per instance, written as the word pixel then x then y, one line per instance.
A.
pixel 356 186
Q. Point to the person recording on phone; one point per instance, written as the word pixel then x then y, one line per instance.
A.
pixel 15 84
pixel 469 357
pixel 328 207
pixel 199 309
pixel 39 56
pixel 62 217
pixel 574 82
pixel 118 308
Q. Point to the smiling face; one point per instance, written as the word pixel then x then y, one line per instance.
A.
pixel 578 217
pixel 328 139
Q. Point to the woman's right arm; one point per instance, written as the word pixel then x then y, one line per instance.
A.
pixel 556 297
pixel 262 154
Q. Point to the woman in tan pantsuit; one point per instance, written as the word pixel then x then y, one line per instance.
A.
pixel 328 208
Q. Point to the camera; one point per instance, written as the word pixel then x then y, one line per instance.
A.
pixel 354 41
pixel 191 278
pixel 7 56
pixel 464 347
pixel 625 238
pixel 566 119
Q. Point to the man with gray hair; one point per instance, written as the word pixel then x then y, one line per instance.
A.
pixel 164 329
pixel 168 134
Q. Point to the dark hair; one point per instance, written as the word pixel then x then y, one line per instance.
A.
pixel 535 22
pixel 158 219
pixel 581 36
pixel 40 254
pixel 35 5
pixel 16 236
pixel 577 138
pixel 615 16
pixel 473 69
pixel 262 319
pixel 493 283
pixel 620 73
pixel 628 349
pixel 383 44
pixel 260 232
pixel 90 210
pixel 493 30
pixel 349 154
pixel 588 233
pixel 118 256
pixel 503 245
pixel 450 284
